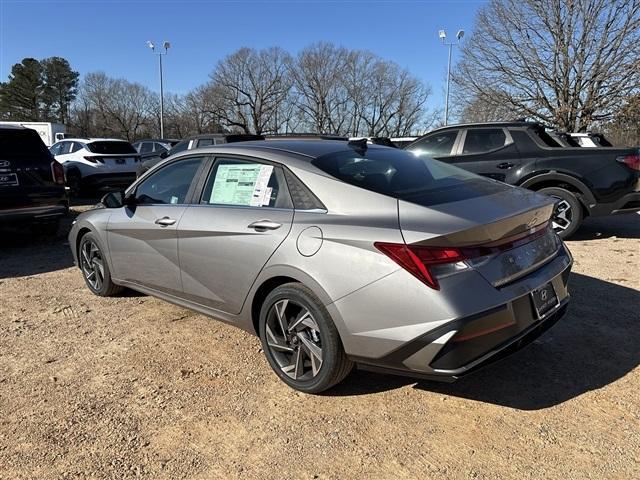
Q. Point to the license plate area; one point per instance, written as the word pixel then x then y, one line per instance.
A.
pixel 8 180
pixel 544 300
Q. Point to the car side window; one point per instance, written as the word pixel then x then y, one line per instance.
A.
pixel 65 148
pixel 170 184
pixel 75 147
pixel 55 149
pixel 483 140
pixel 159 148
pixel 438 144
pixel 205 142
pixel 246 183
pixel 180 147
pixel 146 147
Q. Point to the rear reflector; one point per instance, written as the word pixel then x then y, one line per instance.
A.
pixel 57 172
pixel 423 262
pixel 632 161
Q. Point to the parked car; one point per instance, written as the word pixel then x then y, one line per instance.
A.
pixel 149 147
pixel 196 141
pixel 96 163
pixel 585 181
pixel 336 253
pixel 32 189
pixel 49 132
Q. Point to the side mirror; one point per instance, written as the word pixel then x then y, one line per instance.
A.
pixel 114 200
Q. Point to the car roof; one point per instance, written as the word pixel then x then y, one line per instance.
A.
pixel 311 149
pixel 90 140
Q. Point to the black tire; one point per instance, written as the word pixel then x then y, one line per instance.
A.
pixel 335 365
pixel 565 221
pixel 87 262
pixel 73 180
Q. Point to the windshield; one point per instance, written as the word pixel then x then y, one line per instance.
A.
pixel 403 175
pixel 111 147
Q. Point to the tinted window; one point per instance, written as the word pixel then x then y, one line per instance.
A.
pixel 75 147
pixel 205 142
pixel 180 147
pixel 111 147
pixel 65 148
pixel 484 140
pixel 170 184
pixel 247 184
pixel 436 144
pixel 18 144
pixel 55 149
pixel 146 147
pixel 404 175
pixel 159 148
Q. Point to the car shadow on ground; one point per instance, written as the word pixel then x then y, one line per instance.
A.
pixel 25 252
pixel 625 225
pixel 595 344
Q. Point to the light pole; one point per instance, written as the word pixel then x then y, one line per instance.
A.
pixel 166 46
pixel 443 36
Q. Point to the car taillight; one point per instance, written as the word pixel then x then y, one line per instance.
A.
pixel 57 172
pixel 427 263
pixel 632 161
pixel 93 159
pixel 418 260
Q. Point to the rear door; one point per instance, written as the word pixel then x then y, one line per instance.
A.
pixel 243 215
pixel 489 152
pixel 142 237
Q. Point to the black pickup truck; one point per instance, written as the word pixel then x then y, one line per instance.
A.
pixel 586 181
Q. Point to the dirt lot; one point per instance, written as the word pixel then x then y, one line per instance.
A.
pixel 135 387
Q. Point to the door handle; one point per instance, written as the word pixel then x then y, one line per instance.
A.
pixel 262 225
pixel 505 165
pixel 165 221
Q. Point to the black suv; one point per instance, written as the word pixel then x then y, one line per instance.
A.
pixel 31 182
pixel 586 181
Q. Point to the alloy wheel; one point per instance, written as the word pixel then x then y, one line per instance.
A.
pixel 562 215
pixel 92 264
pixel 293 339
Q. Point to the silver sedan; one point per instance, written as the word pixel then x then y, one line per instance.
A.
pixel 336 253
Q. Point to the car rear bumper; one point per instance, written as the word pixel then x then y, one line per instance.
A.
pixel 626 204
pixel 459 329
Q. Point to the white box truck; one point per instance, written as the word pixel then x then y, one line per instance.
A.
pixel 49 132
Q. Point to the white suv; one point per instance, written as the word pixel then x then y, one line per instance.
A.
pixel 96 162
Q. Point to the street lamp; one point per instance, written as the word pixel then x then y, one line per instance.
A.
pixel 443 37
pixel 166 46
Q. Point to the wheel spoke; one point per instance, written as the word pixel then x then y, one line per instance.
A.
pixel 299 365
pixel 276 342
pixel 300 319
pixel 314 350
pixel 98 263
pixel 281 308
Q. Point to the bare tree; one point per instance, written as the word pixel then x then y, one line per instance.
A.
pixel 247 88
pixel 567 63
pixel 114 107
pixel 318 75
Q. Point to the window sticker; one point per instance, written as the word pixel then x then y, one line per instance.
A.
pixel 242 184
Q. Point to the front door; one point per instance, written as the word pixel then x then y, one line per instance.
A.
pixel 244 214
pixel 142 236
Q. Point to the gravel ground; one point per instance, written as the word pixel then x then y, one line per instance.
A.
pixel 135 387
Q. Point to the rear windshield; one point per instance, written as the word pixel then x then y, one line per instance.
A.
pixel 22 143
pixel 111 147
pixel 403 175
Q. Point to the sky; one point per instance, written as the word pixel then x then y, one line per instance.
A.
pixel 111 35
